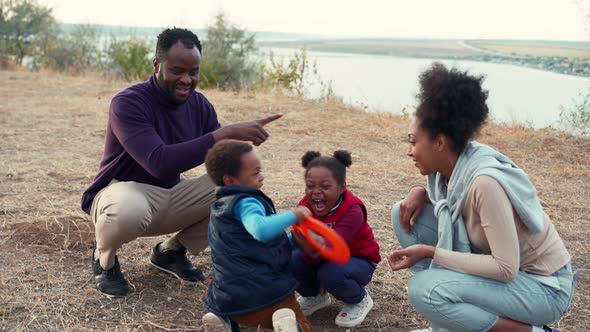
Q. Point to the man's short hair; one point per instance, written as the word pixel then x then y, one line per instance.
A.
pixel 169 37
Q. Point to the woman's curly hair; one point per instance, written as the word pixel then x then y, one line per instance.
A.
pixel 451 102
pixel 336 164
pixel 225 158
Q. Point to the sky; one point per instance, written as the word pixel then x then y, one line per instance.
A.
pixel 456 19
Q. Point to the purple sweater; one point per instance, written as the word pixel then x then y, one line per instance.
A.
pixel 151 140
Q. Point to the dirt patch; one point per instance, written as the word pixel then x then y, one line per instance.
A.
pixel 58 233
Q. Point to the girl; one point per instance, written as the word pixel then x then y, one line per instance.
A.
pixel 329 200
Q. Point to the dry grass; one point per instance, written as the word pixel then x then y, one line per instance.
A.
pixel 52 131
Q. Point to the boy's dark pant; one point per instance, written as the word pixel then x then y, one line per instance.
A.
pixel 345 282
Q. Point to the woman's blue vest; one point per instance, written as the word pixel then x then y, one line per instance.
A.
pixel 248 275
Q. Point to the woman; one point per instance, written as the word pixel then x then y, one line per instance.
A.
pixel 486 255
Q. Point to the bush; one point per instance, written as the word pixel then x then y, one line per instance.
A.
pixel 290 77
pixel 129 59
pixel 24 28
pixel 297 76
pixel 227 57
pixel 74 52
pixel 577 118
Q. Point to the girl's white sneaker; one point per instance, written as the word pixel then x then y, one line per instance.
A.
pixel 354 314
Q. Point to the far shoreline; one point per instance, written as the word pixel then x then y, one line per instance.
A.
pixel 555 64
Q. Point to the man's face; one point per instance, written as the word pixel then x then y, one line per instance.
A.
pixel 178 72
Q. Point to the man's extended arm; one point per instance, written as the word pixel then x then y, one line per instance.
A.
pixel 139 138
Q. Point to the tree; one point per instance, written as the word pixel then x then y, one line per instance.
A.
pixel 577 118
pixel 227 52
pixel 129 59
pixel 75 51
pixel 292 77
pixel 24 25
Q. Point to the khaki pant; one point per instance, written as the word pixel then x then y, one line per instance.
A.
pixel 124 211
pixel 263 317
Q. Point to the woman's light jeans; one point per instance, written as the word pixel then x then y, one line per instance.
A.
pixel 463 302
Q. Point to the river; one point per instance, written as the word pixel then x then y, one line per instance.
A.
pixel 517 95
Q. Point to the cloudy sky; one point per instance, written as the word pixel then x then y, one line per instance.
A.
pixel 495 19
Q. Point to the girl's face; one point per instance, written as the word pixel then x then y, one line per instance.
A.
pixel 322 190
pixel 250 172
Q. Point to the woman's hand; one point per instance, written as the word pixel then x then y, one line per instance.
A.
pixel 411 207
pixel 407 257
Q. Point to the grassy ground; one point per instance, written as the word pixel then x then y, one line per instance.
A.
pixel 52 135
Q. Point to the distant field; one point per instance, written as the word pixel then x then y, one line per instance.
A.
pixel 393 47
pixel 447 48
pixel 580 50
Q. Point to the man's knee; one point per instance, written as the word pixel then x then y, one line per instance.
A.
pixel 198 190
pixel 131 207
pixel 125 215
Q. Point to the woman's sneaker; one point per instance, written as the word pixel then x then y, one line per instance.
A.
pixel 311 304
pixel 354 314
pixel 284 320
pixel 214 323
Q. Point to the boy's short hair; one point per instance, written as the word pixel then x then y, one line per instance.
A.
pixel 225 158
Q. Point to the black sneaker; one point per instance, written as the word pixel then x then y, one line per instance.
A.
pixel 109 282
pixel 176 263
pixel 549 329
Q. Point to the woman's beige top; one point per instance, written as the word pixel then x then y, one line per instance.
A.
pixel 505 243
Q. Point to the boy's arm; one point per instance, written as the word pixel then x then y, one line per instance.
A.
pixel 262 227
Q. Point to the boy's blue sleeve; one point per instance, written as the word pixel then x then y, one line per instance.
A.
pixel 262 227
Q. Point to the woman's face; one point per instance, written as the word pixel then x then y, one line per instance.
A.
pixel 423 150
pixel 322 190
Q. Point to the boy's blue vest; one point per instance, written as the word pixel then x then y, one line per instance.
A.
pixel 248 275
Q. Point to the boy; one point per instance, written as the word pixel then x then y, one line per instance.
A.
pixel 250 250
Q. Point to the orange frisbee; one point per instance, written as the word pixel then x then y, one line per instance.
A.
pixel 337 251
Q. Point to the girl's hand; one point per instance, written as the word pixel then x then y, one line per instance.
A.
pixel 407 257
pixel 411 207
pixel 301 212
pixel 301 242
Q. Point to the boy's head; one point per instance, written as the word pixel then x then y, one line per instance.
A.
pixel 231 162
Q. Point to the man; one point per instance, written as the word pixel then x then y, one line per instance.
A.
pixel 157 130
